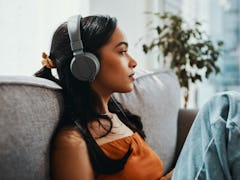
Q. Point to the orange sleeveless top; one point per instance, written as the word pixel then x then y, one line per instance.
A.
pixel 142 164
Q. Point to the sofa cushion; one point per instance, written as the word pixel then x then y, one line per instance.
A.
pixel 29 110
pixel 156 98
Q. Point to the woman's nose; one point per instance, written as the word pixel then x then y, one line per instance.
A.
pixel 133 62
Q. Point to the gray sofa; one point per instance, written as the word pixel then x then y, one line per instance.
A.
pixel 30 108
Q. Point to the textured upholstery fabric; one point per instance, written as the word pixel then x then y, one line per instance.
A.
pixel 30 108
pixel 156 98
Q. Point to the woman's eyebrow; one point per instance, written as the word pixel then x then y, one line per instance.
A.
pixel 122 43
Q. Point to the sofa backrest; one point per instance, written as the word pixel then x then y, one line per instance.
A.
pixel 30 108
pixel 29 111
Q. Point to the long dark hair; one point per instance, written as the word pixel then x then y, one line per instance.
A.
pixel 80 101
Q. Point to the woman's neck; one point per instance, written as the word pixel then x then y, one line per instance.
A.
pixel 104 97
pixel 104 105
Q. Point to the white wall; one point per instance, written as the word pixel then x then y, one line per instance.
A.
pixel 26 30
pixel 27 27
pixel 131 19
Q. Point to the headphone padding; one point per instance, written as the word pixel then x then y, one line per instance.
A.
pixel 85 66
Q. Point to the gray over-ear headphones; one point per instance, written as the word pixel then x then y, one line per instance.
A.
pixel 84 65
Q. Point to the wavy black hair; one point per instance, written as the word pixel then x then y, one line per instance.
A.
pixel 80 101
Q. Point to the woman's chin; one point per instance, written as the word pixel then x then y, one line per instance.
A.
pixel 126 89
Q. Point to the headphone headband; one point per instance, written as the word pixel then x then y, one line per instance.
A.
pixel 74 33
pixel 84 65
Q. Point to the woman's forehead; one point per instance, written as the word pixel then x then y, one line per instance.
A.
pixel 117 37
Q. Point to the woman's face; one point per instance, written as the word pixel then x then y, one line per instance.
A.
pixel 117 66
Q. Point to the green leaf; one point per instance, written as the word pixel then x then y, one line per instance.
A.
pixel 220 43
pixel 200 64
pixel 198 23
pixel 145 48
pixel 208 72
pixel 217 70
pixel 158 28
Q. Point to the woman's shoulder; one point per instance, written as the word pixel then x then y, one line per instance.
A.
pixel 69 136
pixel 70 159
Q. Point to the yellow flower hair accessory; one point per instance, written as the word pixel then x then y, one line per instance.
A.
pixel 47 62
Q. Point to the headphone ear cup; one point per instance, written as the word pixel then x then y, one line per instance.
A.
pixel 85 66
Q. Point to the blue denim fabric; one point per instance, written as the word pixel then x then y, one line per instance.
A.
pixel 212 148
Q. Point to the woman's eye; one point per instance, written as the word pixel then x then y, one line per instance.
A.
pixel 123 52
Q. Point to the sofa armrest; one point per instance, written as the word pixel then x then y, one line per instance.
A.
pixel 185 120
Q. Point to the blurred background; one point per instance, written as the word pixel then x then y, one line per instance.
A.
pixel 27 27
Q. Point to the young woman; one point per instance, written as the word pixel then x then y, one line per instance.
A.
pixel 97 138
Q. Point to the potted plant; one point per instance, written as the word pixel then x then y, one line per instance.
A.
pixel 188 51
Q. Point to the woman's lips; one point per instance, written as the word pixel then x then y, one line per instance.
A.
pixel 131 76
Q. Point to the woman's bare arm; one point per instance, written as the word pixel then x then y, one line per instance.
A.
pixel 70 157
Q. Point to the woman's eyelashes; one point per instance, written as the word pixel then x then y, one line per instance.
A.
pixel 123 52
